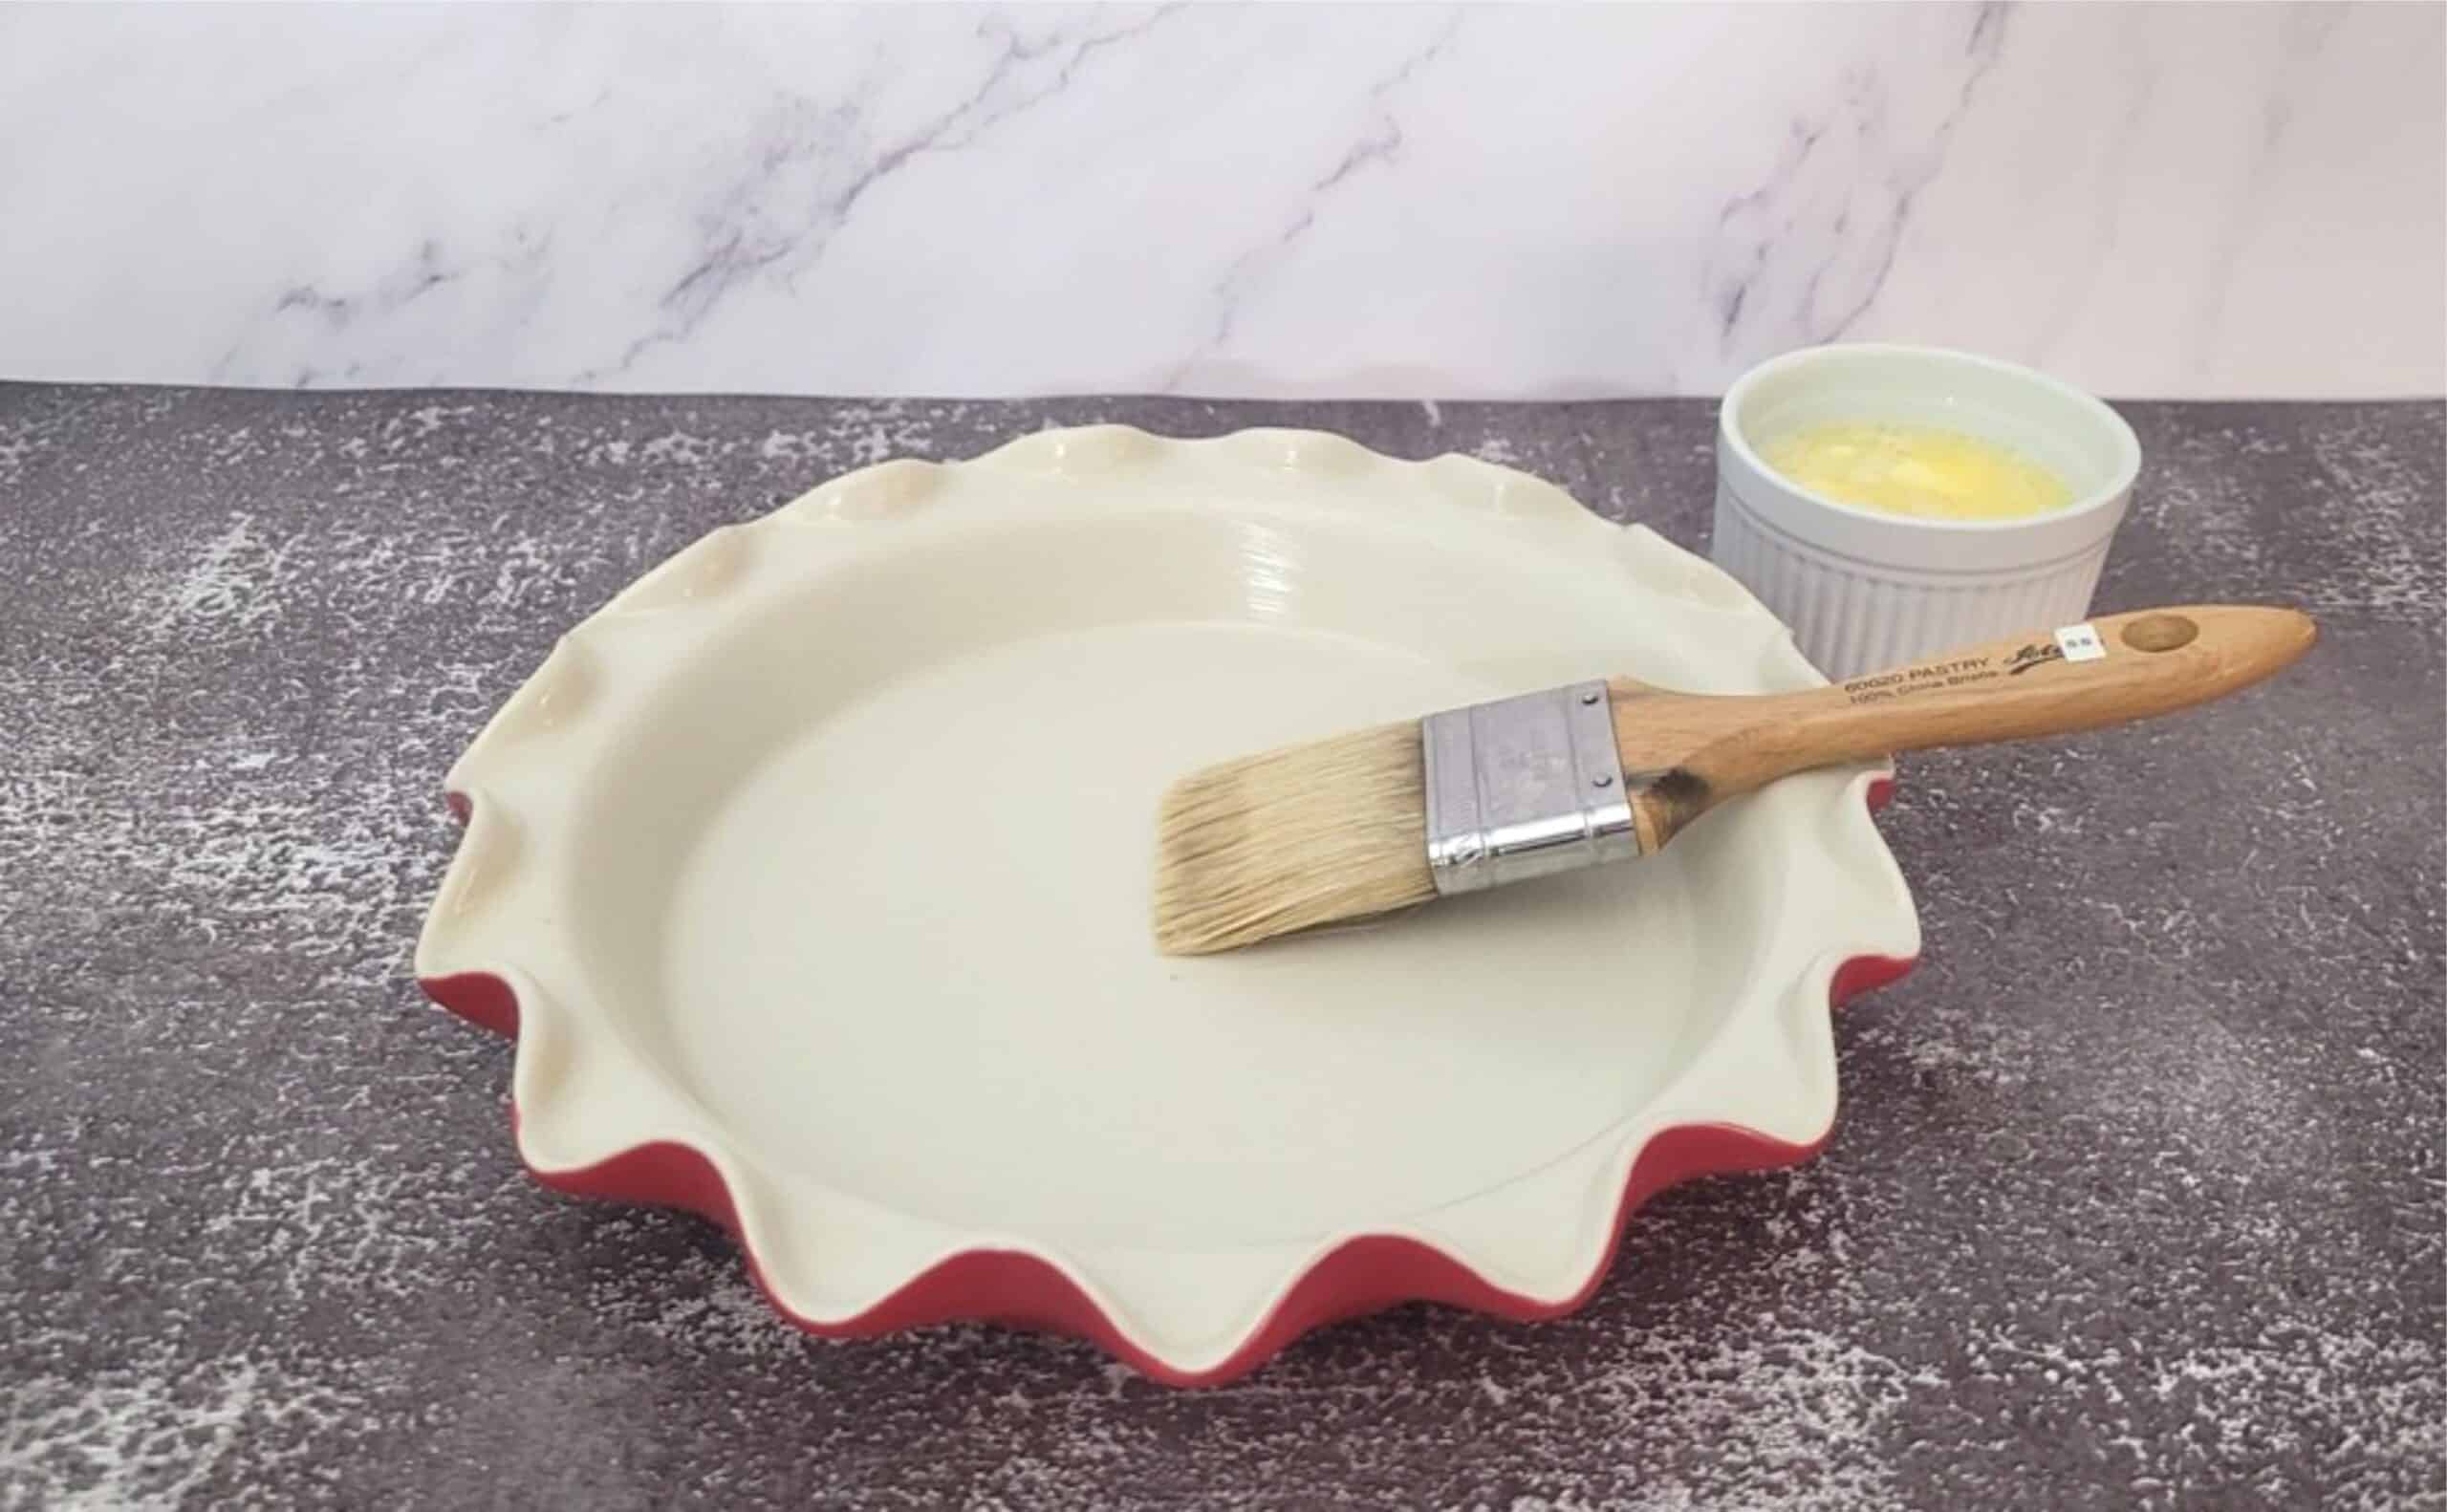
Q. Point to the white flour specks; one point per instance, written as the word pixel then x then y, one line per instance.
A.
pixel 2040 818
pixel 266 854
pixel 152 1433
pixel 1797 1409
pixel 852 435
pixel 1932 1051
pixel 2352 490
pixel 2208 524
pixel 420 424
pixel 1797 1418
pixel 2379 497
pixel 343 1223
pixel 382 568
pixel 2279 1392
pixel 677 446
pixel 781 445
pixel 18 449
pixel 1792 1419
pixel 521 567
pixel 725 1316
pixel 231 583
pixel 863 435
pixel 2122 1196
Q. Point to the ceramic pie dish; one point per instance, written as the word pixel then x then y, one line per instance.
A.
pixel 811 874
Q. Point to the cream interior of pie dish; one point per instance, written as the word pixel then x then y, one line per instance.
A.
pixel 824 850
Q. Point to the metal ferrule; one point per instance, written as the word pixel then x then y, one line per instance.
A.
pixel 1522 787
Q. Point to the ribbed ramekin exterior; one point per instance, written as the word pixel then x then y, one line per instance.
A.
pixel 1852 615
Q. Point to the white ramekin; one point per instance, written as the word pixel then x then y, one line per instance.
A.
pixel 1863 590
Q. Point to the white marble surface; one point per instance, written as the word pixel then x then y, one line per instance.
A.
pixel 1362 200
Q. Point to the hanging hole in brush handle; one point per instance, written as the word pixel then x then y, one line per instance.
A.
pixel 2110 670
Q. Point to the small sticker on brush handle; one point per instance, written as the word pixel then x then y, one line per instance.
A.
pixel 2081 642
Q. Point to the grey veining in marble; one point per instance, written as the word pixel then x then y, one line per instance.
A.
pixel 1499 201
pixel 2136 1200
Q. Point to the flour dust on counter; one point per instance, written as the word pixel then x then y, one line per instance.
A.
pixel 2132 1202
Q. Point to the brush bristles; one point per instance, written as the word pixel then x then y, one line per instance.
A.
pixel 1290 839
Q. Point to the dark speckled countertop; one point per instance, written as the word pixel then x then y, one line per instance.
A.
pixel 2136 1200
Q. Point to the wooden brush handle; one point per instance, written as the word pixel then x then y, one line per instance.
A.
pixel 1691 751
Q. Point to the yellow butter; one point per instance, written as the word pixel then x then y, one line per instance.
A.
pixel 1918 470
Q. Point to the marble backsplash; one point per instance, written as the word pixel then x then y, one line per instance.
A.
pixel 1382 201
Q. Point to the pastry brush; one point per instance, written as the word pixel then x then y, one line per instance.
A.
pixel 1475 797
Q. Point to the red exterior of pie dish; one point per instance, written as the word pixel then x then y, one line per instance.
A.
pixel 1361 1276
